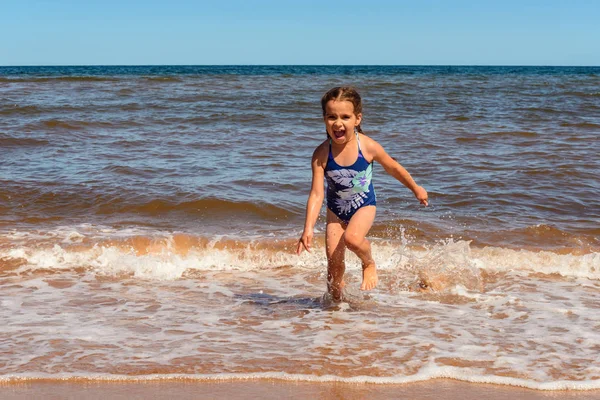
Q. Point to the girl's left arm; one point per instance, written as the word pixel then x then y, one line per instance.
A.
pixel 396 170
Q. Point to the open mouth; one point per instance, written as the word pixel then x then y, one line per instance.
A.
pixel 339 134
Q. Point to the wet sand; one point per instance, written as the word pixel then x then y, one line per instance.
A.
pixel 436 389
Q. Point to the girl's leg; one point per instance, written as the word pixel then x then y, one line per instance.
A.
pixel 355 240
pixel 335 248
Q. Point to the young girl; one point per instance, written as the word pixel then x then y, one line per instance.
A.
pixel 345 160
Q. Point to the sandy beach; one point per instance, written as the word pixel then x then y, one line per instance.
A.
pixel 441 388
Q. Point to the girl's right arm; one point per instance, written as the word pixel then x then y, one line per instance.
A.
pixel 396 170
pixel 315 201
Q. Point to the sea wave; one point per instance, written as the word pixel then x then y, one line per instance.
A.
pixel 61 78
pixel 39 201
pixel 201 207
pixel 173 255
pixel 581 125
pixel 18 142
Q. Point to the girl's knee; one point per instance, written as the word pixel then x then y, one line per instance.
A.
pixel 353 241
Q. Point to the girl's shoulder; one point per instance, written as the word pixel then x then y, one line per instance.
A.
pixel 321 153
pixel 369 146
pixel 367 139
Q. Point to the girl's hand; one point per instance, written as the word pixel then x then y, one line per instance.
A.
pixel 421 195
pixel 304 242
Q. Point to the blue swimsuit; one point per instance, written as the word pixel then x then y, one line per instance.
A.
pixel 349 188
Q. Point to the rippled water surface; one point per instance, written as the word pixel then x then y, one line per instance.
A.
pixel 148 217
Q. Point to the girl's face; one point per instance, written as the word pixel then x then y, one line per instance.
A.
pixel 340 121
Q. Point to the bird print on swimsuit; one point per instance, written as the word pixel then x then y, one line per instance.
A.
pixel 349 188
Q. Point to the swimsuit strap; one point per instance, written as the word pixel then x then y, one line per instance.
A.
pixel 360 154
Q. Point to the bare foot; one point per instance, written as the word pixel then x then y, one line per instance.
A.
pixel 369 277
pixel 336 290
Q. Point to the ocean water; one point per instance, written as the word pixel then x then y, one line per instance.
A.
pixel 149 216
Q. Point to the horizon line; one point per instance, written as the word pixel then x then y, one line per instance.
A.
pixel 303 65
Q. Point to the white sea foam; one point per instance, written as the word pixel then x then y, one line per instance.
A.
pixel 500 259
pixel 426 375
pixel 84 308
pixel 54 250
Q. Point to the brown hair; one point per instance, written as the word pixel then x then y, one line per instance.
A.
pixel 344 93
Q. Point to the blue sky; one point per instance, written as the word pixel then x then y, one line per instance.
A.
pixel 306 32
